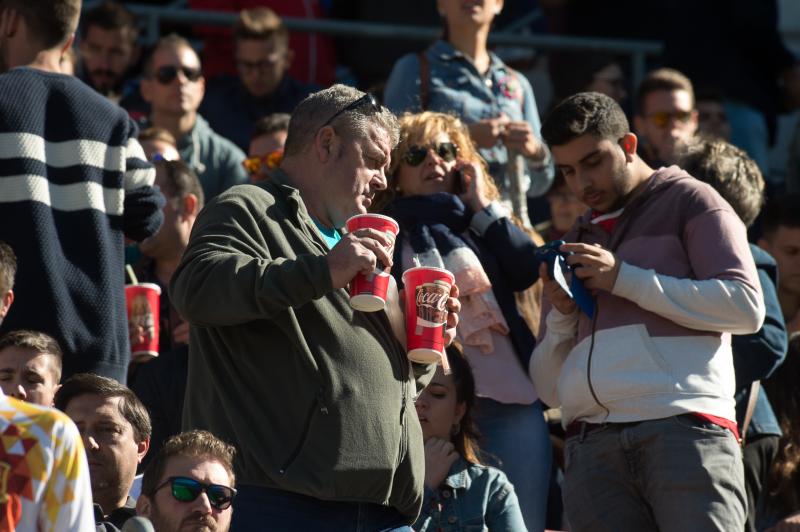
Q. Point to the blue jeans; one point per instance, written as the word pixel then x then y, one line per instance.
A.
pixel 256 508
pixel 517 435
pixel 673 474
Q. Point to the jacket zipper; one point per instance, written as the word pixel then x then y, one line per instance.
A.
pixel 318 404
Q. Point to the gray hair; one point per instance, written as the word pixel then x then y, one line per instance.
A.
pixel 310 115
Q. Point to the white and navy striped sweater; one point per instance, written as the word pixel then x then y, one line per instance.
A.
pixel 73 181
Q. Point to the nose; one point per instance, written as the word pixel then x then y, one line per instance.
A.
pixel 203 505
pixel 433 157
pixel 20 393
pixel 380 182
pixel 90 443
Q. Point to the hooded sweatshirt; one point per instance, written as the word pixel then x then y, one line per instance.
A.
pixel 660 342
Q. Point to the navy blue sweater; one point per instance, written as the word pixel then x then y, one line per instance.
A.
pixel 73 181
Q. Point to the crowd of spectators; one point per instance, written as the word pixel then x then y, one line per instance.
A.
pixel 637 373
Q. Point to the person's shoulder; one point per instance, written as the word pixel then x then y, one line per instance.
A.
pixel 34 419
pixel 254 198
pixel 676 187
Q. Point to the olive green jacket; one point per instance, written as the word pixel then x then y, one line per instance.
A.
pixel 316 397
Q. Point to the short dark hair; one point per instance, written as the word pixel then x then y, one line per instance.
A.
pixel 180 180
pixel 271 124
pixel 729 170
pixel 38 341
pixel 8 267
pixel 585 113
pixel 260 23
pixel 196 443
pixel 110 15
pixel 130 406
pixel 174 41
pixel 663 79
pixel 51 22
pixel 783 211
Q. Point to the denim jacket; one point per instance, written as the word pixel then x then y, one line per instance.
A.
pixel 457 87
pixel 471 499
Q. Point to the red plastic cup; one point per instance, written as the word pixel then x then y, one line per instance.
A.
pixel 142 302
pixel 427 290
pixel 368 292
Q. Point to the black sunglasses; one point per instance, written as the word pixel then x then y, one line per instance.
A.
pixel 185 489
pixel 447 151
pixel 366 99
pixel 167 73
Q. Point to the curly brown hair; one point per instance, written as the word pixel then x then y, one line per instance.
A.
pixel 422 128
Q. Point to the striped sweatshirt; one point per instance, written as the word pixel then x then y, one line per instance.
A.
pixel 661 341
pixel 73 182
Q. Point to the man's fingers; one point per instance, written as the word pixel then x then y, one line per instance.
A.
pixel 543 273
pixel 581 249
pixel 385 239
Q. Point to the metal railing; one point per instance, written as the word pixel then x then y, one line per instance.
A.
pixel 637 50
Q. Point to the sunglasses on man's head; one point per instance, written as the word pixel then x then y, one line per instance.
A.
pixel 662 118
pixel 447 151
pixel 367 99
pixel 167 73
pixel 185 489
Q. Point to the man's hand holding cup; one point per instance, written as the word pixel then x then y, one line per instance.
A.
pixel 359 252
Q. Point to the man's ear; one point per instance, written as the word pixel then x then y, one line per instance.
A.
pixel 5 303
pixel 763 243
pixel 325 143
pixel 628 143
pixel 58 387
pixel 142 447
pixel 68 44
pixel 189 207
pixel 144 506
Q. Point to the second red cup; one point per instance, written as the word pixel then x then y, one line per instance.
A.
pixel 143 304
pixel 368 292
pixel 427 291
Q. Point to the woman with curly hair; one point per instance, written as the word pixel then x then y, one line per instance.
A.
pixel 447 206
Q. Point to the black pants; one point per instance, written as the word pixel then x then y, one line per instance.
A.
pixel 758 455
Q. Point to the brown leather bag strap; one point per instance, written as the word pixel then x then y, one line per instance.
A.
pixel 424 80
pixel 751 406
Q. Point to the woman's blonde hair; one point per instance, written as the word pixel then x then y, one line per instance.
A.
pixel 422 129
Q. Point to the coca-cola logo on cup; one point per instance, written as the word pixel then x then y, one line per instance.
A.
pixel 432 303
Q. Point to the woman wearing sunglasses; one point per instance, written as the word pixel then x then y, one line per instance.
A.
pixel 458 74
pixel 446 205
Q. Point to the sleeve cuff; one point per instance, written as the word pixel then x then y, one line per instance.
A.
pixel 561 323
pixel 485 217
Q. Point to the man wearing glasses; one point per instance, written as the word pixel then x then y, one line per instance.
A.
pixel 317 397
pixel 189 485
pixel 173 85
pixel 233 104
pixel 665 116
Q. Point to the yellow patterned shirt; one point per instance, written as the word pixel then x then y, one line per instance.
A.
pixel 44 477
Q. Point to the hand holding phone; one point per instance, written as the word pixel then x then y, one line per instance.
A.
pixel 556 265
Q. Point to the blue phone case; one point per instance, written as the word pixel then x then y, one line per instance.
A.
pixel 556 266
